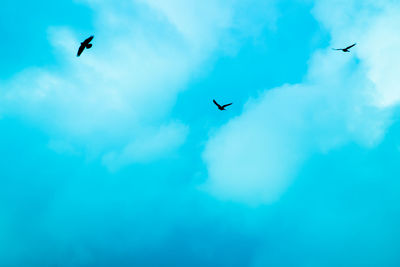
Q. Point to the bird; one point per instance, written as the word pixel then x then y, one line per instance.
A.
pixel 221 107
pixel 85 44
pixel 345 49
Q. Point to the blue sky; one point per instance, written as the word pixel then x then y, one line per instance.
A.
pixel 120 158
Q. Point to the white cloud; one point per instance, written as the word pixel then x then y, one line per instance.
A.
pixel 344 98
pixel 143 54
pixel 373 24
pixel 149 146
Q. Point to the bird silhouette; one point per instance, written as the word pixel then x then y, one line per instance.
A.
pixel 85 44
pixel 345 49
pixel 221 107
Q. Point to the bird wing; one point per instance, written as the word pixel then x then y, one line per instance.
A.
pixel 88 40
pixel 227 105
pixel 336 49
pixel 215 102
pixel 350 46
pixel 80 50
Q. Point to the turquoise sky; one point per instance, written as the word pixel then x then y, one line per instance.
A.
pixel 120 158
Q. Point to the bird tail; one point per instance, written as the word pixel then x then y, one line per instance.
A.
pixel 88 46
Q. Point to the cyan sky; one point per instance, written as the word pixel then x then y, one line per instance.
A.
pixel 120 158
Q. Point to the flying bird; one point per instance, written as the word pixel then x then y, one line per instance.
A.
pixel 345 49
pixel 85 44
pixel 221 107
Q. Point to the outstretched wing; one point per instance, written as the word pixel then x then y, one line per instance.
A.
pixel 88 40
pixel 80 50
pixel 227 105
pixel 350 46
pixel 336 49
pixel 215 102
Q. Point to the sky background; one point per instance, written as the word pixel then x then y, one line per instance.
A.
pixel 120 158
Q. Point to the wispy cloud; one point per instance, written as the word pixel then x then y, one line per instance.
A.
pixel 144 52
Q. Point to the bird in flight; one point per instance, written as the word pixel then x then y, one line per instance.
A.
pixel 85 44
pixel 345 49
pixel 221 107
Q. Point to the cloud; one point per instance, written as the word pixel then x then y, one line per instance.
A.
pixel 144 53
pixel 343 98
pixel 59 209
pixel 373 26
pixel 149 146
